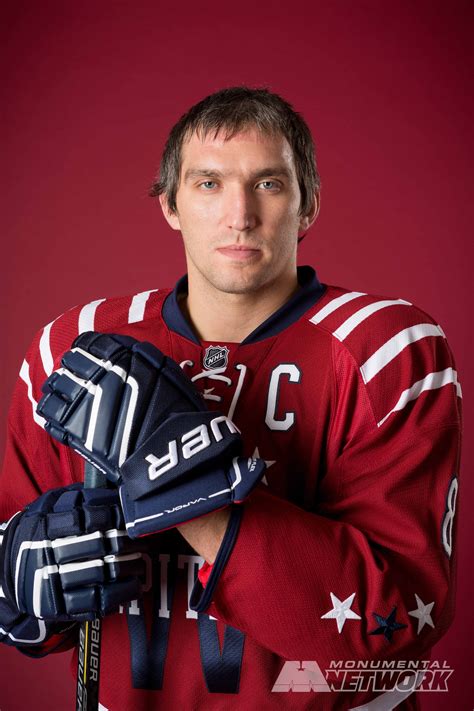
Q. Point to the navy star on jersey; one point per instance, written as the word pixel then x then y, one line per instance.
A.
pixel 387 625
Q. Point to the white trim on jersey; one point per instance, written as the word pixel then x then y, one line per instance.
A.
pixel 86 322
pixel 432 381
pixel 243 370
pixel 86 318
pixel 45 349
pixel 25 376
pixel 136 311
pixel 394 346
pixel 359 316
pixel 335 304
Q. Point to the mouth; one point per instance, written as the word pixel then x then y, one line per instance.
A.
pixel 239 252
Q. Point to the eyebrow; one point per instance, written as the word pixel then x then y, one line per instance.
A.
pixel 277 171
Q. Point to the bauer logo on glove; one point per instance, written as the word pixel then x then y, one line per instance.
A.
pixel 193 442
pixel 133 413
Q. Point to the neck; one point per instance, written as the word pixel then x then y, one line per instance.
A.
pixel 218 316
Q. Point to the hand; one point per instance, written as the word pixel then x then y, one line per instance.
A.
pixel 130 409
pixel 67 557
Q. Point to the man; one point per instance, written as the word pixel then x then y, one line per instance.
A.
pixel 342 547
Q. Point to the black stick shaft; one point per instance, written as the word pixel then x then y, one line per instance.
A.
pixel 88 665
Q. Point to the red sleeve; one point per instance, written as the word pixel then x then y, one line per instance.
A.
pixel 368 573
pixel 33 461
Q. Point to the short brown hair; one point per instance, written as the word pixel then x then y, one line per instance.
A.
pixel 231 111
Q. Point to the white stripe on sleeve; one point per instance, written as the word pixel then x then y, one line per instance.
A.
pixel 335 304
pixel 25 376
pixel 45 349
pixel 394 346
pixel 136 311
pixel 87 316
pixel 356 319
pixel 433 381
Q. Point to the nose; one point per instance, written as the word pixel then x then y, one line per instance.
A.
pixel 240 209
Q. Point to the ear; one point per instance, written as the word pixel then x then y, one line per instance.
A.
pixel 170 216
pixel 307 220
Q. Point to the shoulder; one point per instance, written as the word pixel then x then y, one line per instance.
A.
pixel 119 314
pixel 363 321
pixel 398 350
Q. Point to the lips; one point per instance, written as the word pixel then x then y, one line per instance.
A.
pixel 239 252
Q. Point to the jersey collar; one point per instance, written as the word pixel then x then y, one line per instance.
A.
pixel 307 295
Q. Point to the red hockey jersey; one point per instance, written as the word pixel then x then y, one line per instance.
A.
pixel 343 556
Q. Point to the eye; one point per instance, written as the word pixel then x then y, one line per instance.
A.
pixel 269 185
pixel 208 185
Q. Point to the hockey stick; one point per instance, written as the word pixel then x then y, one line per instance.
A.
pixel 88 658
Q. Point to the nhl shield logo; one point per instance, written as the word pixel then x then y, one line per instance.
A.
pixel 215 357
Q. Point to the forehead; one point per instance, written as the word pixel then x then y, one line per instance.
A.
pixel 246 151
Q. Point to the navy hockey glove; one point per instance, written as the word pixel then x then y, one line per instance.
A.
pixel 132 412
pixel 66 557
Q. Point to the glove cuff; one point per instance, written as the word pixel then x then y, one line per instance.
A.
pixel 192 498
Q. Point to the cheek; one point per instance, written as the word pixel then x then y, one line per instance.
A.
pixel 285 222
pixel 286 229
pixel 199 213
pixel 283 211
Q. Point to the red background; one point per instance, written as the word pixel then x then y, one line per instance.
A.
pixel 90 93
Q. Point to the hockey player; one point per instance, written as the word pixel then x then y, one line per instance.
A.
pixel 289 492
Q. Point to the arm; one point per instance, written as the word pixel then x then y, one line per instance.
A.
pixel 34 463
pixel 205 534
pixel 27 444
pixel 322 584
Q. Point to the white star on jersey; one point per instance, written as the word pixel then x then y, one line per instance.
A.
pixel 268 463
pixel 341 611
pixel 422 613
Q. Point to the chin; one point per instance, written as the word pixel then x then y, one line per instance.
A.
pixel 239 286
